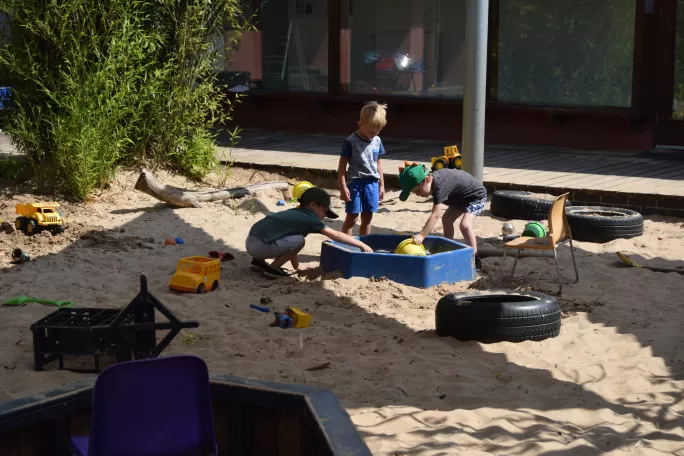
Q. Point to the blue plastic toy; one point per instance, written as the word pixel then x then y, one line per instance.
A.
pixel 447 261
pixel 283 321
pixel 280 203
pixel 259 308
pixel 179 241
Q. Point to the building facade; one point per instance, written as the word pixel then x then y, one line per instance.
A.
pixel 575 73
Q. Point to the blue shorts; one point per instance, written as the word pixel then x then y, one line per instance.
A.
pixel 364 194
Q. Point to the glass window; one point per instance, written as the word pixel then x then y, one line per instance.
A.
pixel 405 47
pixel 566 52
pixel 239 65
pixel 294 47
pixel 678 102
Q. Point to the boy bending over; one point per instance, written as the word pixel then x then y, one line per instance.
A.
pixel 281 235
pixel 455 193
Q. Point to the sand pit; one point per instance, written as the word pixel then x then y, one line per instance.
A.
pixel 612 382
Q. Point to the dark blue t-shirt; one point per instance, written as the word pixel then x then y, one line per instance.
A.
pixel 287 223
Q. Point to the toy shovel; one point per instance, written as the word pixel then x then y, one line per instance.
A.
pixel 22 300
pixel 222 256
pixel 630 262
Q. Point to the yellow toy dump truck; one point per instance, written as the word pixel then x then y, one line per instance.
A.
pixel 196 274
pixel 35 217
pixel 450 159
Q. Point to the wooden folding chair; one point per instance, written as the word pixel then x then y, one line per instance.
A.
pixel 559 231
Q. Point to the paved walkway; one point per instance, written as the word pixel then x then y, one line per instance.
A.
pixel 650 181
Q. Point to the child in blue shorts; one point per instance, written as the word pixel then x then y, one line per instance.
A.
pixel 359 173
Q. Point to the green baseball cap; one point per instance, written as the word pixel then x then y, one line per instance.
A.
pixel 410 177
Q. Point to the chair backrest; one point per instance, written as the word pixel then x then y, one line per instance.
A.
pixel 159 406
pixel 559 229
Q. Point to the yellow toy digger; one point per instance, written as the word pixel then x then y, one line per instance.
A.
pixel 450 159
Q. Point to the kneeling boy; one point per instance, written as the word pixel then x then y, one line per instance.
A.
pixel 281 235
pixel 454 193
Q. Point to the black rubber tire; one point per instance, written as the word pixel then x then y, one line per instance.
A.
pixel 442 162
pixel 20 223
pixel 200 288
pixel 32 227
pixel 518 205
pixel 604 224
pixel 214 285
pixel 498 315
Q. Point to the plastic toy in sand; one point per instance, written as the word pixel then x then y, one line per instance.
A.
pixel 534 229
pixel 507 229
pixel 196 275
pixel 300 188
pixel 19 256
pixel 292 318
pixel 407 247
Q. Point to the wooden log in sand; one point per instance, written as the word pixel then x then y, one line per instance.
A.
pixel 179 197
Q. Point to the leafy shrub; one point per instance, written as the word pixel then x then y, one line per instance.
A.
pixel 104 83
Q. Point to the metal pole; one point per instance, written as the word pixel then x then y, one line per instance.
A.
pixel 475 96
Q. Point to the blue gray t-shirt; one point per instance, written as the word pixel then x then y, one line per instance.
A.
pixel 362 156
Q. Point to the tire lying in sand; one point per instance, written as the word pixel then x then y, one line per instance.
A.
pixel 604 224
pixel 498 315
pixel 517 205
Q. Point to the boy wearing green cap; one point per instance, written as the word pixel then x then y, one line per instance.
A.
pixel 282 235
pixel 455 193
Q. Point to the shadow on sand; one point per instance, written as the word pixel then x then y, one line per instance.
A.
pixel 385 351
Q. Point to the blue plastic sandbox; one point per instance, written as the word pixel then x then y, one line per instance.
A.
pixel 449 261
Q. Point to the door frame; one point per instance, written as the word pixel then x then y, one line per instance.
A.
pixel 668 131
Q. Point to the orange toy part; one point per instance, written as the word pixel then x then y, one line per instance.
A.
pixel 406 165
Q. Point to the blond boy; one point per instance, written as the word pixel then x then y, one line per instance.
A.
pixel 359 173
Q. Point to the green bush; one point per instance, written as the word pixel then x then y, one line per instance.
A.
pixel 104 83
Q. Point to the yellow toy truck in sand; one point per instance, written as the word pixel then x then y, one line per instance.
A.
pixel 196 275
pixel 35 217
pixel 450 159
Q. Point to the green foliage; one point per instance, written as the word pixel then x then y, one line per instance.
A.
pixel 11 169
pixel 566 52
pixel 104 83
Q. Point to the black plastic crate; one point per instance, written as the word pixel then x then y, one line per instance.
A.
pixel 124 334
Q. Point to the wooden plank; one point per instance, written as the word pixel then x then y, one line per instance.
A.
pixel 603 180
pixel 599 170
pixel 546 171
pixel 523 162
pixel 661 174
pixel 569 178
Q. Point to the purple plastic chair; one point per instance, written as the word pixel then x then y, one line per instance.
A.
pixel 151 407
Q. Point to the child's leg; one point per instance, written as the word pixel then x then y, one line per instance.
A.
pixel 352 208
pixel 349 222
pixel 449 220
pixel 472 210
pixel 468 231
pixel 287 249
pixel 366 219
pixel 290 256
pixel 370 200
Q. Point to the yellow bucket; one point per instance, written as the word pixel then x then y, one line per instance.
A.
pixel 300 188
pixel 407 247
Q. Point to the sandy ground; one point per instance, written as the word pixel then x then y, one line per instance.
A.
pixel 612 382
